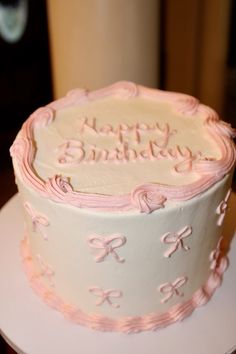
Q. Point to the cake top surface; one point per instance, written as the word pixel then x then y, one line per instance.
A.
pixel 123 147
pixel 112 145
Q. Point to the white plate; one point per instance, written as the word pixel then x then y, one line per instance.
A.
pixel 31 327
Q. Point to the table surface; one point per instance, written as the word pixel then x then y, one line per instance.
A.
pixel 31 327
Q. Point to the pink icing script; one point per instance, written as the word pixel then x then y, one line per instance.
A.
pixel 151 321
pixel 75 151
pixel 123 130
pixel 146 197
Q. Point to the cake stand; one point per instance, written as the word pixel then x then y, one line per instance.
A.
pixel 31 327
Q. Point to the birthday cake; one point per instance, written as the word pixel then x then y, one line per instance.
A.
pixel 124 192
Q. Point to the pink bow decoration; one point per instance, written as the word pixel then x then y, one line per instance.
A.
pixel 106 295
pixel 107 245
pixel 177 239
pixel 46 270
pixel 38 220
pixel 215 255
pixel 171 289
pixel 222 208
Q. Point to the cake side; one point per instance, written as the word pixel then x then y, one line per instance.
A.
pixel 125 272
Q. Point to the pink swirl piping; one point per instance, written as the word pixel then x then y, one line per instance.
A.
pixel 43 116
pixel 151 321
pixel 145 198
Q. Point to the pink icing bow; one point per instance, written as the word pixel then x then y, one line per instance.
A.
pixel 171 289
pixel 106 295
pixel 215 255
pixel 107 246
pixel 46 270
pixel 222 208
pixel 177 239
pixel 38 220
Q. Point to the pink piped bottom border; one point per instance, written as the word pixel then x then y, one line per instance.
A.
pixel 151 321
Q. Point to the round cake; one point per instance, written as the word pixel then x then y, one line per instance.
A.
pixel 124 191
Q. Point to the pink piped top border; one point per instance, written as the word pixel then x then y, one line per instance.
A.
pixel 144 198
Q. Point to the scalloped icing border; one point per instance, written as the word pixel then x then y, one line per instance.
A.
pixel 151 321
pixel 144 198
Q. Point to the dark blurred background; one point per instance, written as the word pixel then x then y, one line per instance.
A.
pixel 51 46
pixel 25 84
